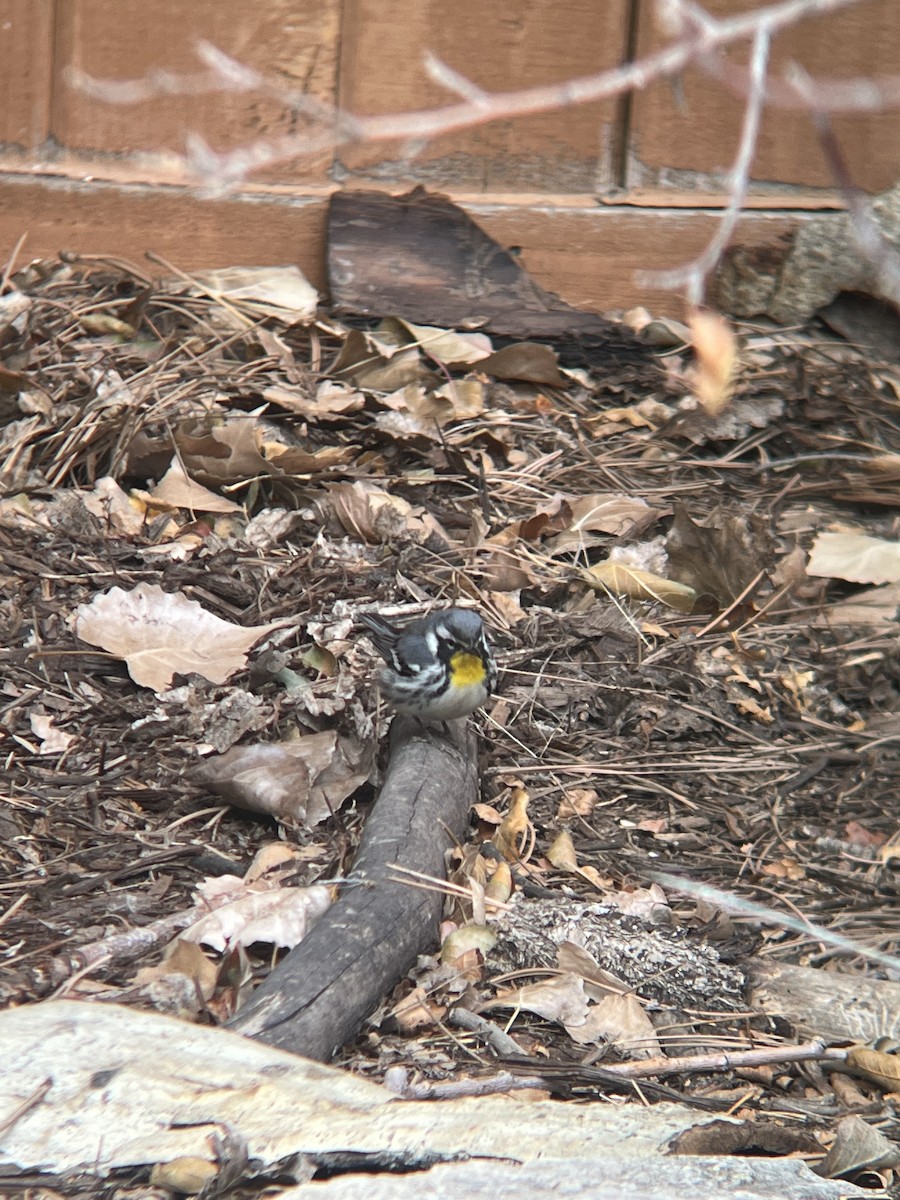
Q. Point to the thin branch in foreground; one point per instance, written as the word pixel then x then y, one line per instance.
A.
pixel 870 241
pixel 477 107
pixel 771 916
pixel 693 275
pixel 699 38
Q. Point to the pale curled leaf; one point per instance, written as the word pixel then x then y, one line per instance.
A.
pixel 560 999
pixel 117 511
pixel 300 782
pixel 276 916
pixel 715 348
pixel 281 292
pixel 561 853
pixel 623 580
pixel 855 557
pixel 620 1020
pixel 176 488
pixel 376 516
pixel 53 740
pixel 159 634
pixel 877 607
pixel 448 346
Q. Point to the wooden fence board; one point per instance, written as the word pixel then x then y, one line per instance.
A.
pixel 497 46
pixel 682 144
pixel 294 44
pixel 25 58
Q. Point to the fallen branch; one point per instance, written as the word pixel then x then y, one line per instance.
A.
pixel 319 996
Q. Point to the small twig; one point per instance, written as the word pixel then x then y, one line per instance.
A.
pixel 27 1105
pixel 727 1060
pixel 11 263
pixel 477 108
pixel 492 1034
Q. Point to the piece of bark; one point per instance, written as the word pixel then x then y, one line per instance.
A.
pixel 833 1005
pixel 792 280
pixel 421 257
pixel 318 997
pixel 666 965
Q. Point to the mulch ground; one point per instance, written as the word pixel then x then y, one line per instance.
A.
pixel 750 743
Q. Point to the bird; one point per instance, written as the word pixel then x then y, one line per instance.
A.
pixel 437 668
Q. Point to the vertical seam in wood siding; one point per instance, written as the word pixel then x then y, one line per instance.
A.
pixel 626 101
pixel 56 84
pixel 333 171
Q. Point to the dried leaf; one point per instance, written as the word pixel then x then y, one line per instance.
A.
pixel 560 999
pixel 382 365
pixel 104 323
pixel 525 362
pixel 280 292
pixel 117 511
pixel 562 852
pixel 376 516
pixel 159 634
pixel 417 1011
pixel 621 1021
pixel 331 401
pixel 623 580
pixel 183 957
pixel 877 1065
pixel 463 941
pixel 647 414
pixel 877 607
pixel 858 1147
pixel 715 349
pixel 721 558
pixel 275 916
pixel 598 982
pixel 448 346
pixel 186 1174
pixel 516 829
pixel 300 782
pixel 576 802
pixel 610 513
pixel 855 557
pixel 179 490
pixel 53 740
pixel 500 885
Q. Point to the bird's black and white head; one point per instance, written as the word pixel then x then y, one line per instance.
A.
pixel 454 631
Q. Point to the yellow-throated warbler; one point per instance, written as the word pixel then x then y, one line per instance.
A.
pixel 437 668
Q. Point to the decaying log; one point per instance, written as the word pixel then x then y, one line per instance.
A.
pixel 100 1088
pixel 319 996
pixel 835 1005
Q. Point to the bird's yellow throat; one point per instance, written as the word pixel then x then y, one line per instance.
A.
pixel 466 670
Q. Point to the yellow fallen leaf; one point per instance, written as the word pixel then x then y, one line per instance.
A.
pixel 562 853
pixel 516 831
pixel 624 580
pixel 715 348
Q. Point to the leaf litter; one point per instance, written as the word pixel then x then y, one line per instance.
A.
pixel 207 480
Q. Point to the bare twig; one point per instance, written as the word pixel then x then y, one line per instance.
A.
pixel 698 38
pixel 693 275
